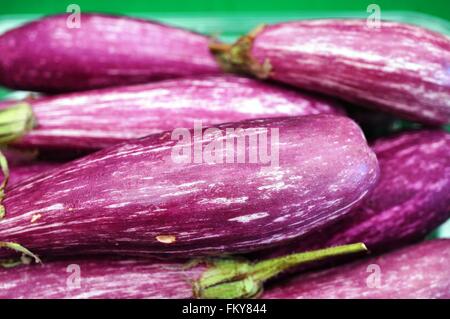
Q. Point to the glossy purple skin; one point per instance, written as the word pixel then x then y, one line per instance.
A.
pixel 97 119
pixel 420 271
pixel 124 198
pixel 100 278
pixel 25 164
pixel 48 56
pixel 20 173
pixel 382 68
pixel 411 198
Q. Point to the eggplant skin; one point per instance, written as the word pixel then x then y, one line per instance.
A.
pixel 107 278
pixel 48 56
pixel 419 271
pixel 97 119
pixel 411 198
pixel 26 164
pixel 20 173
pixel 133 199
pixel 383 68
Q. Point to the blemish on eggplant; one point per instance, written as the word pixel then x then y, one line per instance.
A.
pixel 35 217
pixel 166 239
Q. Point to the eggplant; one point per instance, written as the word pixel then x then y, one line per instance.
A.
pixel 20 173
pixel 113 278
pixel 150 197
pixel 419 271
pixel 382 68
pixel 411 198
pixel 25 164
pixel 48 56
pixel 89 121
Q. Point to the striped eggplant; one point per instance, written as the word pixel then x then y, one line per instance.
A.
pixel 384 67
pixel 97 119
pixel 420 271
pixel 25 164
pixel 149 196
pixel 51 55
pixel 132 278
pixel 411 198
pixel 20 173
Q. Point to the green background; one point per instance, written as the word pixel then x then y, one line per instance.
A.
pixel 440 8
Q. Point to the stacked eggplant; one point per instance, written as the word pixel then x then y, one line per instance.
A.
pixel 93 187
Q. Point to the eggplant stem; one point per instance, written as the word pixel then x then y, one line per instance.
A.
pixel 15 121
pixel 237 278
pixel 237 58
pixel 267 269
pixel 5 170
pixel 19 248
pixel 219 47
pixel 10 263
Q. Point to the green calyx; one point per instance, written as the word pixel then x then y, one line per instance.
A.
pixel 232 279
pixel 15 121
pixel 237 58
pixel 25 259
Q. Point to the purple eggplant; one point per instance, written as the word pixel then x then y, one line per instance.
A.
pixel 121 278
pixel 97 119
pixel 25 164
pixel 411 198
pixel 383 68
pixel 48 55
pixel 420 271
pixel 20 173
pixel 151 197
